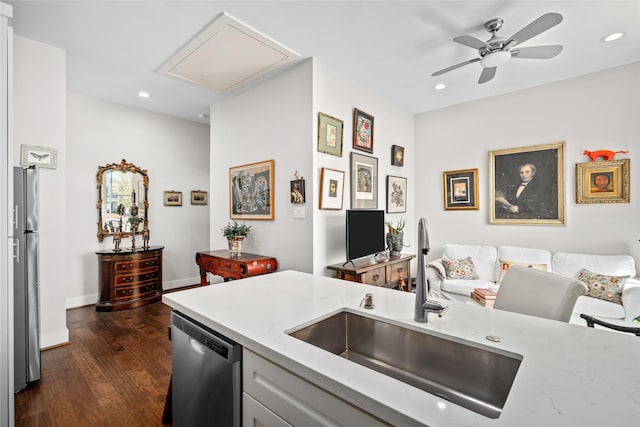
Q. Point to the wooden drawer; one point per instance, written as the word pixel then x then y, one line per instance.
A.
pixel 133 292
pixel 135 277
pixel 398 271
pixel 374 277
pixel 136 264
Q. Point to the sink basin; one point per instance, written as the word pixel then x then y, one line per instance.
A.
pixel 471 375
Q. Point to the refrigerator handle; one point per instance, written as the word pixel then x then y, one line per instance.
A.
pixel 15 218
pixel 16 253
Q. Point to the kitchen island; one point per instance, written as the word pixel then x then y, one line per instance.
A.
pixel 570 375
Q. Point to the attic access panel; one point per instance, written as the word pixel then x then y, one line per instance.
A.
pixel 226 55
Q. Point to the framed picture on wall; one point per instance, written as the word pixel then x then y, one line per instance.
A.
pixel 331 188
pixel 527 185
pixel 362 131
pixel 330 135
pixel 251 191
pixel 172 198
pixel 603 182
pixel 397 155
pixel 43 157
pixel 396 194
pixel 364 181
pixel 198 197
pixel 460 189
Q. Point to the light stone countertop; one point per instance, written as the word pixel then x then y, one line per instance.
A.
pixel 570 375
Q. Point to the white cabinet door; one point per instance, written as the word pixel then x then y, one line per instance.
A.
pixel 256 415
pixel 297 401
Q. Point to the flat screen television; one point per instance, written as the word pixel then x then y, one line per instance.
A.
pixel 365 233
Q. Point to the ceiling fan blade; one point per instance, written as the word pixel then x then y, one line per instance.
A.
pixel 543 23
pixel 453 67
pixel 537 52
pixel 470 41
pixel 487 74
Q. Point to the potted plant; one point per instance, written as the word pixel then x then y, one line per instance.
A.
pixel 235 234
pixel 395 237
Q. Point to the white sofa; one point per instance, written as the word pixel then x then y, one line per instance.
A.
pixel 488 261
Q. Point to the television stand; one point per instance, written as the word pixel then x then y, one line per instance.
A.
pixel 389 273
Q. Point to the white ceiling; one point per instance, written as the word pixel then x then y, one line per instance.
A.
pixel 113 48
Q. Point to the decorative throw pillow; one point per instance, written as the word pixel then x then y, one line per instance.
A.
pixel 504 266
pixel 601 286
pixel 460 268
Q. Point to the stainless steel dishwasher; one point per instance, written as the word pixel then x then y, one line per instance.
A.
pixel 206 375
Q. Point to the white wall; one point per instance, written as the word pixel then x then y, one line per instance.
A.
pixel 596 111
pixel 39 103
pixel 175 154
pixel 271 121
pixel 337 96
pixel 278 120
pixel 88 133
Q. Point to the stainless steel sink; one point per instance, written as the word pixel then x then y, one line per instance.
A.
pixel 476 377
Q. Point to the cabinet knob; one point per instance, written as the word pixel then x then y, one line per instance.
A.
pixel 376 277
pixel 400 269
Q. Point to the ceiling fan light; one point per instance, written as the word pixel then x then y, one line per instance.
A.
pixel 494 59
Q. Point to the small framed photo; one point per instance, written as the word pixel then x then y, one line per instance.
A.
pixel 364 181
pixel 330 135
pixel 362 131
pixel 397 155
pixel 251 191
pixel 44 157
pixel 297 191
pixel 396 194
pixel 461 189
pixel 198 197
pixel 331 188
pixel 603 182
pixel 526 185
pixel 172 198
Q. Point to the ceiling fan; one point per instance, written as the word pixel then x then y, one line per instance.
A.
pixel 498 50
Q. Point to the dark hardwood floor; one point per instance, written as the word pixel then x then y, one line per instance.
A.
pixel 114 372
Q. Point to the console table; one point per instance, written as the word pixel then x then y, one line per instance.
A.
pixel 229 267
pixel 386 273
pixel 129 278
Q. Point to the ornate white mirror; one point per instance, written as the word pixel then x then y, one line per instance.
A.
pixel 122 198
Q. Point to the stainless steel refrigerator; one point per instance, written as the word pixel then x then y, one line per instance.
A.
pixel 25 273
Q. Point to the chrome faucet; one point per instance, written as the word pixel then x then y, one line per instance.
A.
pixel 423 306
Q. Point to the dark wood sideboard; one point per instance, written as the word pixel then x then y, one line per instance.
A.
pixel 387 273
pixel 129 278
pixel 230 266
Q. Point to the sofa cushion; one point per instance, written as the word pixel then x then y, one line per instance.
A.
pixel 505 264
pixel 485 258
pixel 460 268
pixel 463 287
pixel 570 264
pixel 602 286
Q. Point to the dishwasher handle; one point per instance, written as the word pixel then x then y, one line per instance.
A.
pixel 222 346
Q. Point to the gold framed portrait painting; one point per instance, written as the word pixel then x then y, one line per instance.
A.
pixel 603 182
pixel 527 185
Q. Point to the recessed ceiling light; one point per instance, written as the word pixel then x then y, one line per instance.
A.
pixel 203 116
pixel 440 86
pixel 143 94
pixel 611 37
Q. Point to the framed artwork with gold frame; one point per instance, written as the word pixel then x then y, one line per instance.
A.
pixel 460 189
pixel 526 185
pixel 603 182
pixel 330 135
pixel 251 191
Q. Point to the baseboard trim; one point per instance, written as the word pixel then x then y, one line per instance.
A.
pixel 85 300
pixel 54 339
